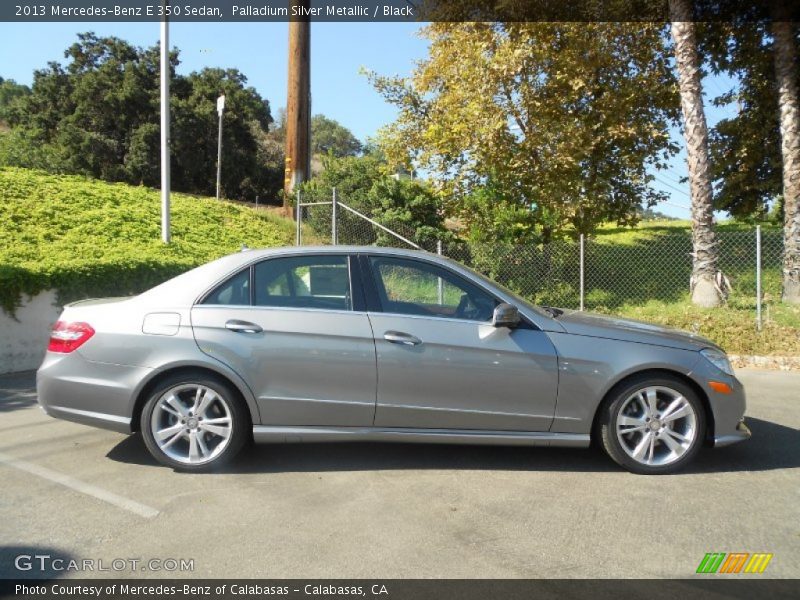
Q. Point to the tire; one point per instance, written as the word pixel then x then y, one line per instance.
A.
pixel 652 425
pixel 194 422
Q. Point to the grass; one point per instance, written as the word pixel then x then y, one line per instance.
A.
pixel 733 328
pixel 85 237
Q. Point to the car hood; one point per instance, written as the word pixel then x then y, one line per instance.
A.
pixel 630 330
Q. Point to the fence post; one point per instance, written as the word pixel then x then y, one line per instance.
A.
pixel 334 230
pixel 758 277
pixel 440 286
pixel 582 269
pixel 299 216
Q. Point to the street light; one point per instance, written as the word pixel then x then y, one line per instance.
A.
pixel 220 109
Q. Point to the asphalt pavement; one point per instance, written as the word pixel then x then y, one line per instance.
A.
pixel 75 493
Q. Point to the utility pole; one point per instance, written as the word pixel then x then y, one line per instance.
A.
pixel 220 110
pixel 165 184
pixel 298 103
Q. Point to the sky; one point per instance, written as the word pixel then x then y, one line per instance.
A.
pixel 338 52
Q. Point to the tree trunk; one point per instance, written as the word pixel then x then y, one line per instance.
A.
pixel 785 55
pixel 707 284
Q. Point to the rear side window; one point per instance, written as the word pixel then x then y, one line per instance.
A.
pixel 321 282
pixel 234 291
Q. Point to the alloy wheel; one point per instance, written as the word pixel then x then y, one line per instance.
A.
pixel 191 424
pixel 656 426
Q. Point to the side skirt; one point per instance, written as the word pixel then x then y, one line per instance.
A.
pixel 292 433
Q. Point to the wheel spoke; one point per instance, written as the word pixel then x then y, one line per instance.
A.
pixel 684 411
pixel 672 443
pixel 173 401
pixel 201 443
pixel 194 451
pixel 207 399
pixel 163 434
pixel 197 399
pixel 626 424
pixel 172 440
pixel 643 446
pixel 652 400
pixel 678 436
pixel 215 429
pixel 169 410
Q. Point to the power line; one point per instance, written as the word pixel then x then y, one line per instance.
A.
pixel 669 185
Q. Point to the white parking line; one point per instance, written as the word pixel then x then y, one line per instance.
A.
pixel 142 510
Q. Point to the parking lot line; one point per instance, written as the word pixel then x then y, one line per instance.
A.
pixel 142 510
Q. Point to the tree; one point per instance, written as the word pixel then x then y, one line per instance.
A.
pixel 10 91
pixel 563 118
pixel 786 75
pixel 744 150
pixel 98 115
pixel 707 282
pixel 331 137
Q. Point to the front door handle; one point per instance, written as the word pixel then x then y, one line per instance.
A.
pixel 398 337
pixel 242 326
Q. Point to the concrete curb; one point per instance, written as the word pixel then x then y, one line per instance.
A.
pixel 780 363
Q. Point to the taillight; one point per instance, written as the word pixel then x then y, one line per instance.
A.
pixel 66 337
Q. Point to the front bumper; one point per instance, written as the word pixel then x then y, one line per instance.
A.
pixel 741 433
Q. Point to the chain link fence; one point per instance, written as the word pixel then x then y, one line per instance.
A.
pixel 592 273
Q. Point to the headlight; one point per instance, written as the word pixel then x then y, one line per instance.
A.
pixel 718 359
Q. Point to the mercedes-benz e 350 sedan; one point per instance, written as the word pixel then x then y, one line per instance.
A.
pixel 379 344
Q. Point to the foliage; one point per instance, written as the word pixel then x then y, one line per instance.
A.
pixel 745 149
pixel 562 118
pixel 10 91
pixel 331 137
pixel 100 113
pixel 90 238
pixel 328 136
pixel 409 207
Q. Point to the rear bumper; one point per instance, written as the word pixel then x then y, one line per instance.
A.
pixel 98 394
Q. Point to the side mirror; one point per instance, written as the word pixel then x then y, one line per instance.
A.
pixel 505 315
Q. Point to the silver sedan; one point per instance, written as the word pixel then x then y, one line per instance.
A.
pixel 379 344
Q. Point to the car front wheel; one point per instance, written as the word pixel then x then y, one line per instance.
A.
pixel 193 423
pixel 653 425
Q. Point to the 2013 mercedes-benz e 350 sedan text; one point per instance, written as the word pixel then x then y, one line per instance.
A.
pixel 379 344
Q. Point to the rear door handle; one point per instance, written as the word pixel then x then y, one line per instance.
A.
pixel 398 337
pixel 242 326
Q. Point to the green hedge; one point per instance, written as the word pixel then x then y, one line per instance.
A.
pixel 87 238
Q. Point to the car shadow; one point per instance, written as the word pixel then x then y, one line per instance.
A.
pixel 33 562
pixel 770 449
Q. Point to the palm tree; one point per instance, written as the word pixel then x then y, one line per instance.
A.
pixel 786 67
pixel 708 285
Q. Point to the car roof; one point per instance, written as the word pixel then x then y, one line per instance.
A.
pixel 184 289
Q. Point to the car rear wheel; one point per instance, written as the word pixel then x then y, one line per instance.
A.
pixel 653 425
pixel 194 423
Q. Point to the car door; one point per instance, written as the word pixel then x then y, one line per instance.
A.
pixel 289 326
pixel 441 363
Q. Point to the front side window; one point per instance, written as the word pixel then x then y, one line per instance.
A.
pixel 411 287
pixel 303 282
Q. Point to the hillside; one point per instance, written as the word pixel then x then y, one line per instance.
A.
pixel 88 237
